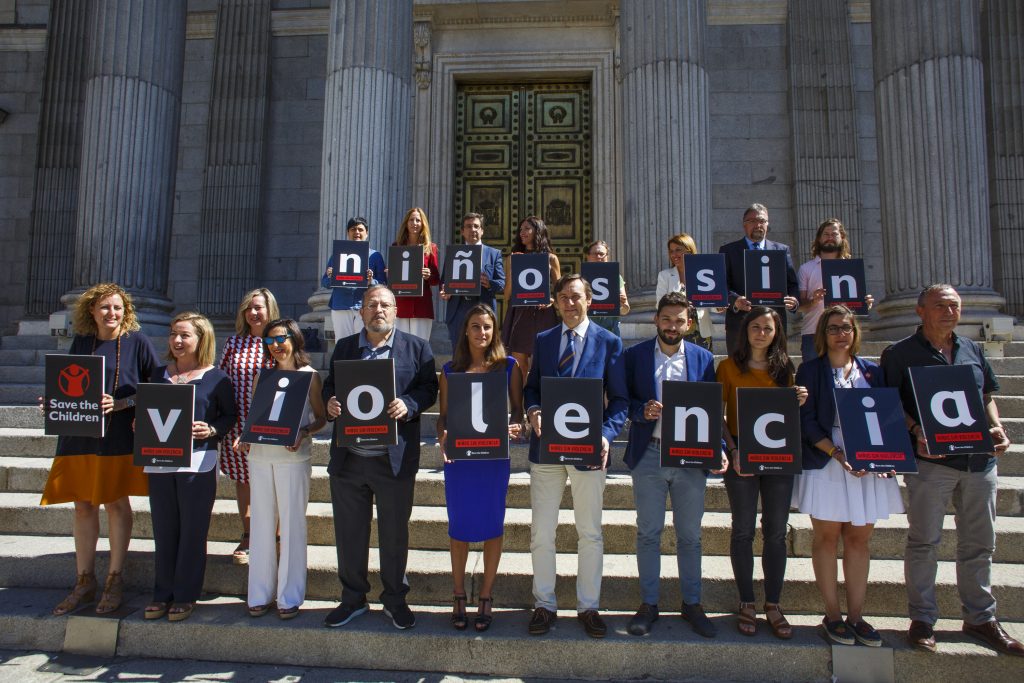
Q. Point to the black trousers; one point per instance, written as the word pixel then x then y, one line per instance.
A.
pixel 354 489
pixel 775 491
pixel 181 505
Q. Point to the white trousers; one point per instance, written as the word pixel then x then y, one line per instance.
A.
pixel 346 323
pixel 418 326
pixel 547 482
pixel 278 491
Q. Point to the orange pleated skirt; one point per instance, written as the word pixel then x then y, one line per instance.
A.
pixel 93 479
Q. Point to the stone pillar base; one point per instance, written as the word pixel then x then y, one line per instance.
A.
pixel 897 317
pixel 319 305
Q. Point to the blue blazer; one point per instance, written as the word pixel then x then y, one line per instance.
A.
pixel 734 277
pixel 700 367
pixel 601 357
pixel 415 384
pixel 494 268
pixel 818 413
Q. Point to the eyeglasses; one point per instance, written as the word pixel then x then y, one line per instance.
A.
pixel 759 221
pixel 836 330
pixel 378 306
pixel 280 339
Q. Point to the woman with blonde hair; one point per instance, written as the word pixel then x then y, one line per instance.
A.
pixel 673 279
pixel 242 359
pixel 416 313
pixel 181 497
pixel 92 472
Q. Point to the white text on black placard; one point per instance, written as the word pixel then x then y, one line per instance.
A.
pixel 769 431
pixel 349 263
pixel 163 425
pixel 764 273
pixel 950 409
pixel 278 408
pixel 74 396
pixel 706 285
pixel 843 280
pixel 691 424
pixel 477 416
pixel 572 411
pixel 604 284
pixel 365 388
pixel 531 279
pixel 874 432
pixel 405 270
pixel 462 267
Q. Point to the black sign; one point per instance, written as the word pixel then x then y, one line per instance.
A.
pixel 691 424
pixel 163 425
pixel 874 433
pixel 604 283
pixel 764 273
pixel 365 388
pixel 843 280
pixel 706 285
pixel 278 408
pixel 462 267
pixel 74 395
pixel 481 432
pixel 350 261
pixel 531 279
pixel 572 411
pixel 405 270
pixel 769 438
pixel 950 409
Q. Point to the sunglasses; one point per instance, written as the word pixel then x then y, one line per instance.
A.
pixel 280 339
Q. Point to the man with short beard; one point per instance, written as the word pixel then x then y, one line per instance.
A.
pixel 387 474
pixel 830 242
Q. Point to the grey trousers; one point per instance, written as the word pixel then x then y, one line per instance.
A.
pixel 973 495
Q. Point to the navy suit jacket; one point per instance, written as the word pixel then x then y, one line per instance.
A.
pixel 493 267
pixel 700 367
pixel 734 277
pixel 415 384
pixel 601 357
pixel 818 413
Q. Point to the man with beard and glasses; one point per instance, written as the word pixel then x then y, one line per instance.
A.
pixel 358 476
pixel 830 242
pixel 648 364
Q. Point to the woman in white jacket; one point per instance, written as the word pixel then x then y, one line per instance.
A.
pixel 674 280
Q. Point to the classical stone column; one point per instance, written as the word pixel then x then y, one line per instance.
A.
pixel 666 161
pixel 1004 69
pixel 129 147
pixel 231 216
pixel 55 200
pixel 367 123
pixel 930 109
pixel 826 170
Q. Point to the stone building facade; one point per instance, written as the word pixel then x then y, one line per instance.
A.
pixel 192 150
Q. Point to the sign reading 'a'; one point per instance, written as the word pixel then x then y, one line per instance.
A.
pixel 950 409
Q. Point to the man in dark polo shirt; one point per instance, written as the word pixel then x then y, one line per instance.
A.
pixel 969 481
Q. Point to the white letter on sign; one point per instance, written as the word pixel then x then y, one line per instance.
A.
pixel 572 413
pixel 702 418
pixel 599 285
pixel 761 430
pixel 874 429
pixel 959 399
pixel 461 261
pixel 705 281
pixel 405 265
pixel 163 429
pixel 376 402
pixel 530 278
pixel 837 286
pixel 476 394
pixel 275 410
pixel 765 280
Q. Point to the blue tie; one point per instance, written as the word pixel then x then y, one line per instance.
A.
pixel 565 362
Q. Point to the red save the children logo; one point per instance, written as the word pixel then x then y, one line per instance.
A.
pixel 73 380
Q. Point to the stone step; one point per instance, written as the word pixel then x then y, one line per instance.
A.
pixel 24 374
pixel 24 356
pixel 370 642
pixel 1014 428
pixel 20 513
pixel 48 562
pixel 29 341
pixel 28 475
pixel 1011 385
pixel 1010 406
pixel 20 417
pixel 20 394
pixel 1007 366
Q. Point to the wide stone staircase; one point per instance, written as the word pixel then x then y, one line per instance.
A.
pixel 37 568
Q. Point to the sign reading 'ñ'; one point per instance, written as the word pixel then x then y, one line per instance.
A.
pixel 405 270
pixel 163 424
pixel 572 409
pixel 365 388
pixel 462 269
pixel 478 416
pixel 769 431
pixel 278 408
pixel 950 409
pixel 74 396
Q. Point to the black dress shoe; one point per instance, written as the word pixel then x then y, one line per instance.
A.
pixel 921 636
pixel 640 624
pixel 541 621
pixel 993 634
pixel 702 626
pixel 593 624
pixel 342 614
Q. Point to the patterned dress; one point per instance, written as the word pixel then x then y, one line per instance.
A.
pixel 242 360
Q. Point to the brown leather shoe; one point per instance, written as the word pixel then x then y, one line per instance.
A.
pixel 921 635
pixel 593 624
pixel 993 634
pixel 541 621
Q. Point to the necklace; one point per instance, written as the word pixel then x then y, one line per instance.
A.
pixel 184 377
pixel 117 371
pixel 840 379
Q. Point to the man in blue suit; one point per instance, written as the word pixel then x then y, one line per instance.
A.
pixel 492 278
pixel 358 476
pixel 755 229
pixel 575 348
pixel 648 364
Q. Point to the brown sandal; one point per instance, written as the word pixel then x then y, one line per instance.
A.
pixel 181 611
pixel 83 593
pixel 747 619
pixel 155 610
pixel 113 592
pixel 780 627
pixel 240 556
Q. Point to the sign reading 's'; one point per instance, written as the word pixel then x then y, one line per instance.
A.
pixel 604 286
pixel 365 388
pixel 73 396
pixel 163 425
pixel 706 285
pixel 572 409
pixel 278 408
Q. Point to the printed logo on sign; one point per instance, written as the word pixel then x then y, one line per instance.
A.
pixel 73 380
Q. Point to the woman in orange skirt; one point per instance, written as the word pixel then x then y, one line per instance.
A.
pixel 92 472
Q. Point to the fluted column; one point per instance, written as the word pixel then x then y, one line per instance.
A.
pixel 367 123
pixel 929 103
pixel 667 167
pixel 826 178
pixel 129 148
pixel 1004 68
pixel 55 199
pixel 231 216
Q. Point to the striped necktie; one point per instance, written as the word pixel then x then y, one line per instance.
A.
pixel 566 361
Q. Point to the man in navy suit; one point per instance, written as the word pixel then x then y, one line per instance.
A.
pixel 755 228
pixel 648 364
pixel 387 474
pixel 492 278
pixel 580 349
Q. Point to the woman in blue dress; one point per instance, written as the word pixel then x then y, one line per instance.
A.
pixel 475 491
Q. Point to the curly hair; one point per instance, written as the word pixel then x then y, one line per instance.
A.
pixel 82 318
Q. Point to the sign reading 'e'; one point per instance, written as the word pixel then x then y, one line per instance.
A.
pixel 365 388
pixel 769 431
pixel 572 411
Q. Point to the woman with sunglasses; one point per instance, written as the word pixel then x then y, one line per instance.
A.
pixel 673 279
pixel 280 487
pixel 842 503
pixel 759 360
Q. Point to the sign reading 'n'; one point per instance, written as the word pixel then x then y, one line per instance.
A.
pixel 278 408
pixel 405 270
pixel 74 396
pixel 874 431
pixel 163 425
pixel 769 431
pixel 764 273
pixel 950 409
pixel 706 285
pixel 462 267
pixel 604 284
pixel 349 264
pixel 531 279
pixel 365 388
pixel 572 409
pixel 691 424
pixel 843 280
pixel 477 416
